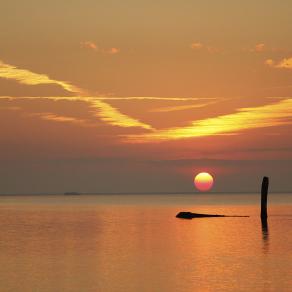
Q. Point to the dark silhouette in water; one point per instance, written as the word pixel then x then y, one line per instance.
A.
pixel 265 230
pixel 264 198
pixel 264 213
pixel 190 215
pixel 265 235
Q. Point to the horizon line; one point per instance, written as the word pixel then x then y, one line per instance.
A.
pixel 139 193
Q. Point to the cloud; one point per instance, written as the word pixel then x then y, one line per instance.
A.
pixel 114 117
pixel 244 119
pixel 94 47
pixel 112 98
pixel 89 45
pixel 285 63
pixel 29 78
pixel 11 108
pixel 155 98
pixel 180 107
pixel 112 51
pixel 213 50
pixel 270 62
pixel 262 47
pixel 104 111
pixel 62 119
pixel 197 46
pixel 200 46
pixel 258 48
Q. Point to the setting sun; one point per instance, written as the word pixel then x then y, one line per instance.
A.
pixel 204 181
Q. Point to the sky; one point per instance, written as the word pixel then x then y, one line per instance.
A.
pixel 140 96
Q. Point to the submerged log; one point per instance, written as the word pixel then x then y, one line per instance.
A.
pixel 190 215
pixel 264 198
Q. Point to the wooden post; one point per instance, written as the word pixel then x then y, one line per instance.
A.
pixel 264 198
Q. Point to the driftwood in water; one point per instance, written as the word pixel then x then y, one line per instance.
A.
pixel 190 215
pixel 264 213
pixel 264 198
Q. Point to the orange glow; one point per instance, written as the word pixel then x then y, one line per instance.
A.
pixel 204 181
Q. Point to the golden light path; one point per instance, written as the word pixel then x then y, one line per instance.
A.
pixel 204 181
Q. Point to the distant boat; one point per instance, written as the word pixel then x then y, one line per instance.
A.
pixel 72 194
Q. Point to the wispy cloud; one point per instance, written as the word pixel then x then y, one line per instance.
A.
pixel 29 78
pixel 258 48
pixel 197 46
pixel 285 63
pixel 11 108
pixel 94 47
pixel 179 107
pixel 89 45
pixel 270 62
pixel 104 111
pixel 155 98
pixel 114 117
pixel 112 51
pixel 114 98
pixel 245 118
pixel 63 119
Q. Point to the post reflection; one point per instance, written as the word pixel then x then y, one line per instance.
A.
pixel 265 235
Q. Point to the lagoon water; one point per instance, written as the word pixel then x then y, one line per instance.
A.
pixel 135 243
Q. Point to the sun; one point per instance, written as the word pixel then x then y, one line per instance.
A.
pixel 204 181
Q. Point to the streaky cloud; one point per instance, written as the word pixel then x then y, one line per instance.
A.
pixel 180 107
pixel 112 51
pixel 27 77
pixel 89 45
pixel 271 115
pixel 105 111
pixel 113 116
pixel 197 45
pixel 125 98
pixel 258 48
pixel 154 98
pixel 62 119
pixel 285 63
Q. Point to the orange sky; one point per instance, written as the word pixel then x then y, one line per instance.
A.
pixel 108 96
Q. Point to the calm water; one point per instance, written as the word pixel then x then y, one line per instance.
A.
pixel 135 243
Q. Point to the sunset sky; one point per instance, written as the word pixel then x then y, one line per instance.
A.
pixel 139 96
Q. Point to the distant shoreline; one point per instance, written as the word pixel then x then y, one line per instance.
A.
pixel 143 193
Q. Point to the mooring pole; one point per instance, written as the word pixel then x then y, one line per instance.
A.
pixel 264 198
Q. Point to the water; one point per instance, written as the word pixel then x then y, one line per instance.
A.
pixel 135 243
